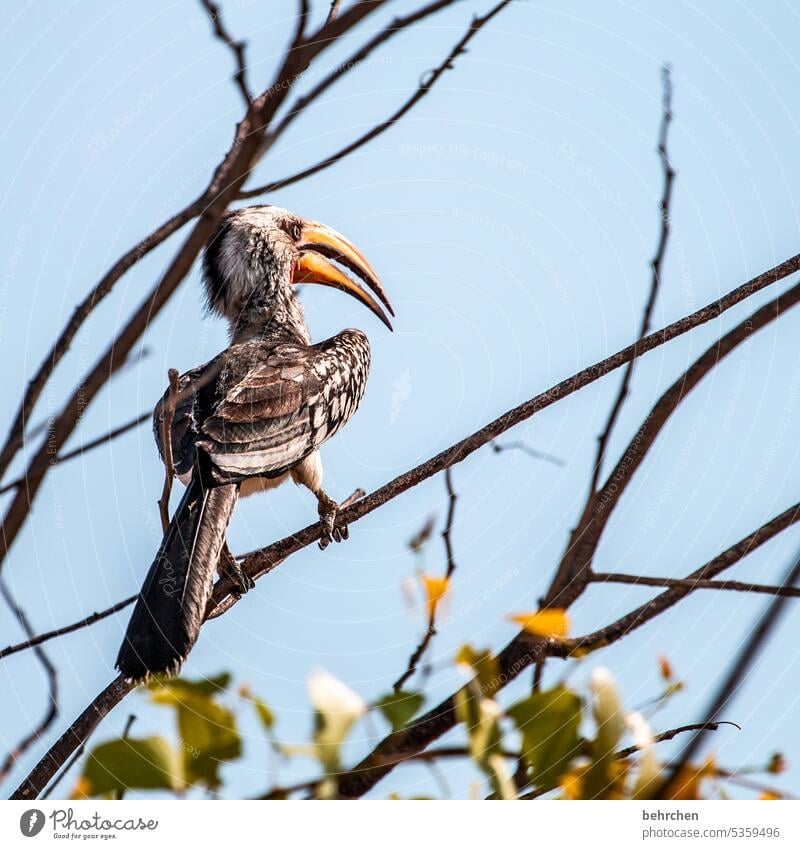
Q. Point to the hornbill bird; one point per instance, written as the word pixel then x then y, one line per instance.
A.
pixel 252 417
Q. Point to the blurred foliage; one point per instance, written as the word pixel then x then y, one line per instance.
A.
pixel 561 742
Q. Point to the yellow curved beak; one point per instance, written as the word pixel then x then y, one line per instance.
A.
pixel 320 244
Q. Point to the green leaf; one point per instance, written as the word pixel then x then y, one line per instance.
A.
pixel 201 687
pixel 399 707
pixel 148 763
pixel 483 663
pixel 549 723
pixel 207 729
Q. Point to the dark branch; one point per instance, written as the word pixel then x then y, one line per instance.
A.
pixel 51 674
pixel 655 279
pixel 688 583
pixel 430 631
pixel 334 10
pixel 429 80
pixel 573 572
pixel 83 449
pixel 263 561
pixel 523 650
pixel 74 737
pixel 236 47
pixel 526 449
pixel 223 187
pixel 67 629
pixel 745 658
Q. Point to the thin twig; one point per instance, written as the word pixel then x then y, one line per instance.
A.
pixel 263 561
pixel 222 189
pixel 573 573
pixel 334 10
pixel 67 629
pixel 526 649
pixel 236 47
pixel 519 445
pixel 86 447
pixel 687 583
pixel 51 674
pixel 74 737
pixel 739 668
pixel 430 631
pixel 427 83
pixel 166 441
pixel 655 279
pixel 523 650
pixel 674 732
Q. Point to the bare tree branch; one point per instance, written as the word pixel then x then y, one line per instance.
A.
pixel 655 279
pixel 83 449
pixel 67 629
pixel 222 189
pixel 674 732
pixel 526 449
pixel 334 10
pixel 424 87
pixel 573 572
pixel 648 611
pixel 75 736
pixel 688 583
pixel 524 649
pixel 236 47
pixel 263 561
pixel 739 668
pixel 51 674
pixel 430 631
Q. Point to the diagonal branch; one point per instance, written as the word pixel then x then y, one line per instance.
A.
pixel 427 83
pixel 747 655
pixel 83 449
pixel 520 652
pixel 574 570
pixel 263 561
pixel 67 629
pixel 688 583
pixel 430 631
pixel 51 674
pixel 236 47
pixel 225 183
pixel 526 649
pixel 655 279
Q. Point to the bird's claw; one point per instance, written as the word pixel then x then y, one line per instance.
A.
pixel 331 529
pixel 230 568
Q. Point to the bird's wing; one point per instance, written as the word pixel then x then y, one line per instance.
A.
pixel 184 421
pixel 280 403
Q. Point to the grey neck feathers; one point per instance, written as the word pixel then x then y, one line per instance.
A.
pixel 278 317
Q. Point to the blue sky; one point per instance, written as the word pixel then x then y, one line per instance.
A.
pixel 512 216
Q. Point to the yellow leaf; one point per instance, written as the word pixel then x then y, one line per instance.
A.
pixel 769 796
pixel 435 589
pixel 550 622
pixel 665 667
pixel 777 764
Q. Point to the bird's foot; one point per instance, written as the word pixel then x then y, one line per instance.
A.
pixel 332 529
pixel 229 568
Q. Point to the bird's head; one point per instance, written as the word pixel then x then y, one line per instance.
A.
pixel 257 256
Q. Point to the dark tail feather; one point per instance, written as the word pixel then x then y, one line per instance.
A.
pixel 169 611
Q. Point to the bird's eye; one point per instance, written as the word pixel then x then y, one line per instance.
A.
pixel 294 230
